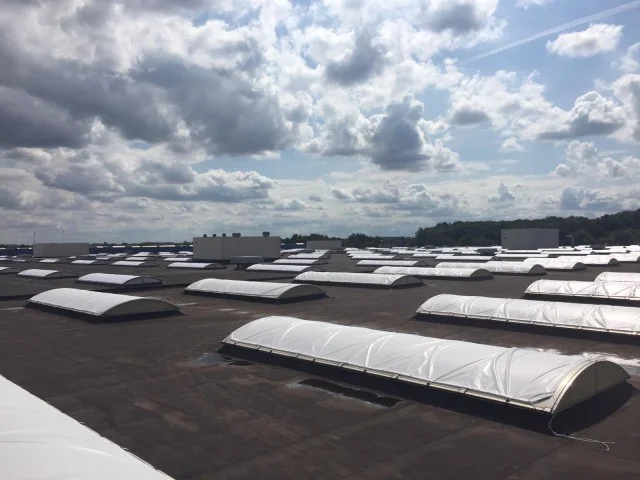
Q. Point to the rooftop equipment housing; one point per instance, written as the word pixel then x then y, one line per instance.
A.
pixel 576 316
pixel 48 250
pixel 530 238
pixel 540 381
pixel 223 249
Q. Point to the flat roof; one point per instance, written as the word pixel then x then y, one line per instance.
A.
pixel 154 387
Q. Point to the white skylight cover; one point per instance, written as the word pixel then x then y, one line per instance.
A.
pixel 139 259
pixel 311 255
pixel 629 277
pixel 209 266
pixel 272 267
pixel 609 318
pixel 37 273
pixel 530 377
pixel 391 263
pixel 176 259
pixel 633 257
pixel 39 441
pixel 358 278
pixel 457 272
pixel 126 263
pixel 608 290
pixel 463 258
pixel 509 268
pixel 521 255
pixel 91 303
pixel 557 263
pixel 594 260
pixel 49 260
pixel 116 279
pixel 267 290
pixel 373 256
pixel 300 261
pixel 89 262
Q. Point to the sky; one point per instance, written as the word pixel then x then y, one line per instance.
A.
pixel 140 120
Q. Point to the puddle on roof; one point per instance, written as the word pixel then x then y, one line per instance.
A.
pixel 210 359
pixel 349 392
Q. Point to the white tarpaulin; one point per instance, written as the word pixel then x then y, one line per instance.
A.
pixel 515 256
pixel 627 257
pixel 507 268
pixel 195 265
pixel 89 262
pixel 266 290
pixel 463 258
pixel 520 376
pixel 607 318
pixel 40 442
pixel 557 263
pixel 125 263
pixel 39 273
pixel 629 277
pixel 608 290
pixel 100 303
pixel 390 263
pixel 117 279
pixel 300 261
pixel 592 259
pixel 426 272
pixel 273 267
pixel 372 279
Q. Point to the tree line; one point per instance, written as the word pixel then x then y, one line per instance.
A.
pixel 621 228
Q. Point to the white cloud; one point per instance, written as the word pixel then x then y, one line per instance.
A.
pixel 583 159
pixel 630 61
pixel 592 114
pixel 526 4
pixel 597 38
pixel 511 145
pixel 503 194
pixel 627 89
